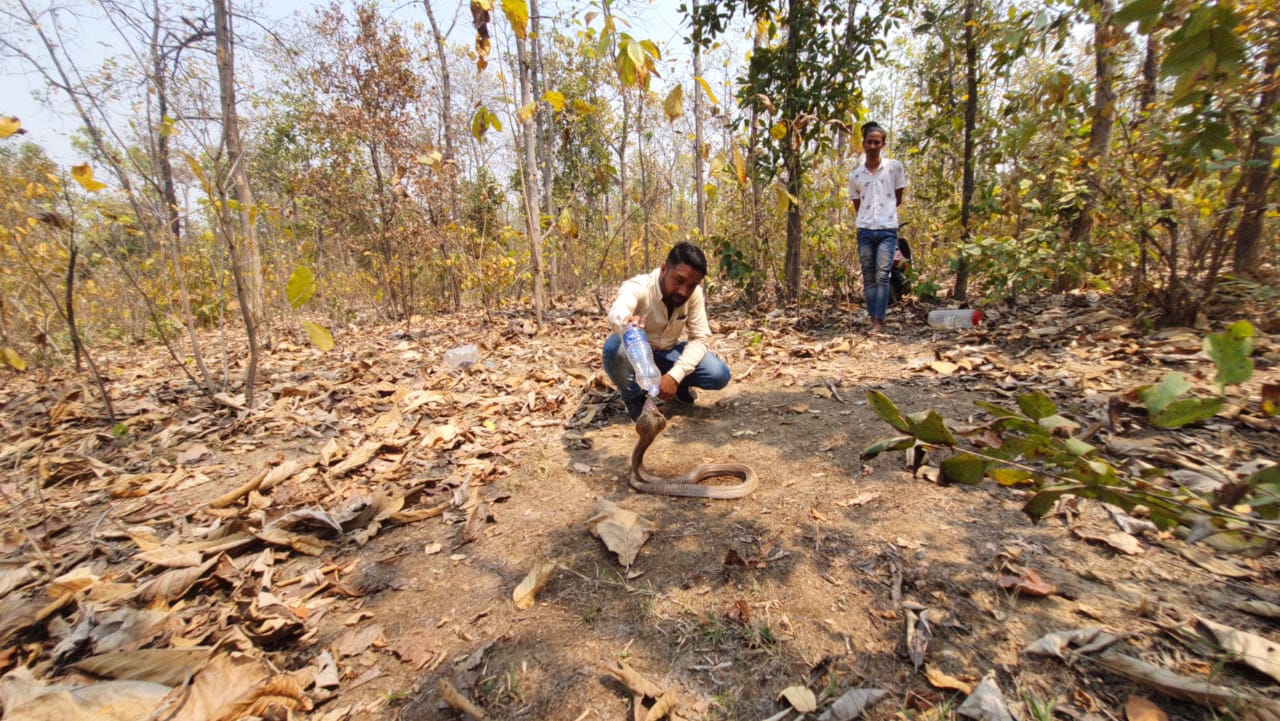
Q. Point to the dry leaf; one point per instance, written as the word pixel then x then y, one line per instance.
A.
pixel 25 699
pixel 168 666
pixel 943 680
pixel 415 648
pixel 1252 650
pixel 457 701
pixel 1140 709
pixel 986 703
pixel 944 368
pixel 852 704
pixel 622 531
pixel 1028 584
pixel 1118 540
pixel 356 640
pixel 1087 640
pixel 1213 565
pixel 535 581
pixel 800 698
pixel 1258 607
pixel 174 584
pixel 170 557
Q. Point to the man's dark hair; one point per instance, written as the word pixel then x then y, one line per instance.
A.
pixel 871 127
pixel 686 253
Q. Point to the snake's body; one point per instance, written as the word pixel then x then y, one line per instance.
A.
pixel 648 426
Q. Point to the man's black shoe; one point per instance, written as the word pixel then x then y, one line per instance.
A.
pixel 635 406
pixel 686 394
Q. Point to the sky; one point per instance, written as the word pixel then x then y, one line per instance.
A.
pixel 52 125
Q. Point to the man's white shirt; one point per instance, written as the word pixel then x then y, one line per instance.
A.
pixel 878 193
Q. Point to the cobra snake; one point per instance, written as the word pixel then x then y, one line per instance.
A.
pixel 648 426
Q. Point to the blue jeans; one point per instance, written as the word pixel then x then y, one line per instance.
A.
pixel 875 250
pixel 711 372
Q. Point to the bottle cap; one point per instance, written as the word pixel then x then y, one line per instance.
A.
pixel 977 317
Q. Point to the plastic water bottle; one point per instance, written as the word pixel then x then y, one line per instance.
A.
pixel 958 318
pixel 462 356
pixel 641 356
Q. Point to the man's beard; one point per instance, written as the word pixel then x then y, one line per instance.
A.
pixel 675 301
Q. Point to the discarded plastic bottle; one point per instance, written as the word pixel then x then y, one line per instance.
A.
pixel 640 354
pixel 462 356
pixel 957 318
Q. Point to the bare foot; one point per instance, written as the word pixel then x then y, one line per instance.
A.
pixel 877 327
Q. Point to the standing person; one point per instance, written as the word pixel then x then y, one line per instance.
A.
pixel 876 189
pixel 664 302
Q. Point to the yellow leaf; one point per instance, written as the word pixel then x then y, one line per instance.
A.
pixel 12 359
pixel 517 12
pixel 782 199
pixel 674 104
pixel 320 336
pixel 9 125
pixel 800 698
pixel 707 89
pixel 525 113
pixel 739 166
pixel 778 131
pixel 83 174
pixel 556 99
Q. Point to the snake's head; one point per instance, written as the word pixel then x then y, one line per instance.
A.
pixel 651 421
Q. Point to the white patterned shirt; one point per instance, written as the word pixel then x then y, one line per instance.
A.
pixel 878 194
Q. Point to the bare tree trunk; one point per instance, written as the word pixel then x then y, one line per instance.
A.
pixel 961 289
pixel 529 181
pixel 644 179
pixel 1103 118
pixel 1258 173
pixel 546 151
pixel 246 264
pixel 699 171
pixel 791 160
pixel 449 166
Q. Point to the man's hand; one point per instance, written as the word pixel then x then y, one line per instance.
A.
pixel 667 388
pixel 636 320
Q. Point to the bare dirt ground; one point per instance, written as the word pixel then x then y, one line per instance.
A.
pixel 448 486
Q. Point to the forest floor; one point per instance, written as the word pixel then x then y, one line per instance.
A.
pixel 349 547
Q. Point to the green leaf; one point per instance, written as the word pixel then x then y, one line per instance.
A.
pixel 1078 447
pixel 1010 476
pixel 1272 140
pixel 897 443
pixel 1137 10
pixel 1055 422
pixel 1043 502
pixel 1036 405
pixel 1160 395
pixel 1187 410
pixel 995 410
pixel 964 469
pixel 320 336
pixel 887 411
pixel 1266 477
pixel 1229 350
pixel 929 427
pixel 1186 56
pixel 301 286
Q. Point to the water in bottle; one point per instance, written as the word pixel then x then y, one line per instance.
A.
pixel 957 318
pixel 641 356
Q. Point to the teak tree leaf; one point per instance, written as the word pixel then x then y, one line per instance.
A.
pixel 929 427
pixel 1229 350
pixel 1186 411
pixel 888 412
pixel 1037 405
pixel 963 468
pixel 320 336
pixel 301 286
pixel 1158 396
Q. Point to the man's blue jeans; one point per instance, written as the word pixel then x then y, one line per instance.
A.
pixel 875 250
pixel 711 372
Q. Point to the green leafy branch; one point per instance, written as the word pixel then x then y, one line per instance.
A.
pixel 1036 446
